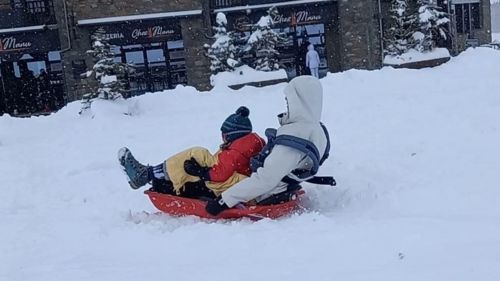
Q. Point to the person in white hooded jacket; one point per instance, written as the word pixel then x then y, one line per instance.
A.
pixel 312 61
pixel 304 97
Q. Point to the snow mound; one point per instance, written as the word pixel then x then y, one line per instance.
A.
pixel 245 74
pixel 415 56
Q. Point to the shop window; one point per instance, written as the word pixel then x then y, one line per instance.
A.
pixel 157 69
pixel 17 70
pixel 177 62
pixel 310 30
pixel 79 67
pixel 135 57
pixel 55 64
pixel 54 56
pixel 36 67
pixel 468 17
pixel 117 52
pixel 56 67
pixel 179 44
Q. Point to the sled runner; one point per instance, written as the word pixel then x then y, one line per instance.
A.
pixel 180 206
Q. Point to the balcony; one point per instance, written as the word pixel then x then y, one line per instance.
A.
pixel 219 4
pixel 27 13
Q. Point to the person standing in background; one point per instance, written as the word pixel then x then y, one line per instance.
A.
pixel 312 61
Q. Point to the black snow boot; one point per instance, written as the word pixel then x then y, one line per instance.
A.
pixel 137 173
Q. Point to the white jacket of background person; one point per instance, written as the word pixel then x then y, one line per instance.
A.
pixel 304 97
pixel 312 57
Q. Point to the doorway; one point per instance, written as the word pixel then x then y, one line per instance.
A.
pixel 31 84
pixel 293 53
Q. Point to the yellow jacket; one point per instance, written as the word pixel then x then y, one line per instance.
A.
pixel 179 177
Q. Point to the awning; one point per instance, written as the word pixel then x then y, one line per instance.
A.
pixel 139 17
pixel 464 1
pixel 262 6
pixel 22 29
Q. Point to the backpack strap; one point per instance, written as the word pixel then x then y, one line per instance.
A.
pixel 304 146
pixel 327 149
pixel 258 160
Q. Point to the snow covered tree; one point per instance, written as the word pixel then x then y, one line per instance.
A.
pixel 111 75
pixel 432 25
pixel 264 40
pixel 399 37
pixel 222 53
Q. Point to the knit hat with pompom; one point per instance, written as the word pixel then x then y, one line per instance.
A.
pixel 237 124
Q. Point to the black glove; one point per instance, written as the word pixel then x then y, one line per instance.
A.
pixel 194 169
pixel 216 206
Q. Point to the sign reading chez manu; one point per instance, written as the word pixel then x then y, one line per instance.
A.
pixel 31 42
pixel 138 33
pixel 302 15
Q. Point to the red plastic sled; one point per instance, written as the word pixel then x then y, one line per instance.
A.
pixel 180 206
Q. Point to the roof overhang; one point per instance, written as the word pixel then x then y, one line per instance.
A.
pixel 263 6
pixel 139 17
pixel 22 29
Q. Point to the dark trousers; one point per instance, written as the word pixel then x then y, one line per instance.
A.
pixel 195 190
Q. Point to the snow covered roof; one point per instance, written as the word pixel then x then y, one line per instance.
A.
pixel 24 28
pixel 260 6
pixel 140 17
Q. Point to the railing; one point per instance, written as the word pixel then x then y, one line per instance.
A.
pixel 218 4
pixel 28 13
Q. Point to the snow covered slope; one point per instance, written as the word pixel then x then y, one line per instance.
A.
pixel 416 156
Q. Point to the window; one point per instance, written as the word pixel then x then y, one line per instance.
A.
pixel 36 67
pixel 475 15
pixel 79 67
pixel 468 17
pixel 54 56
pixel 17 4
pixel 177 62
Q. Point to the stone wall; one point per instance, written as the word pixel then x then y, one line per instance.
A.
pixel 74 43
pixel 197 64
pixel 333 47
pixel 360 34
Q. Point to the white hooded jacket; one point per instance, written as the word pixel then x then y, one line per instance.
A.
pixel 312 57
pixel 304 95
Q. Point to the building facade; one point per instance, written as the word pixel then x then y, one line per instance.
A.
pixel 45 41
pixel 31 73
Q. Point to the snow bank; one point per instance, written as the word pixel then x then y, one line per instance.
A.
pixel 495 37
pixel 245 74
pixel 415 154
pixel 416 56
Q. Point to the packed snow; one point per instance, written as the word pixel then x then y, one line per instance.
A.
pixel 416 156
pixel 245 74
pixel 495 37
pixel 413 55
